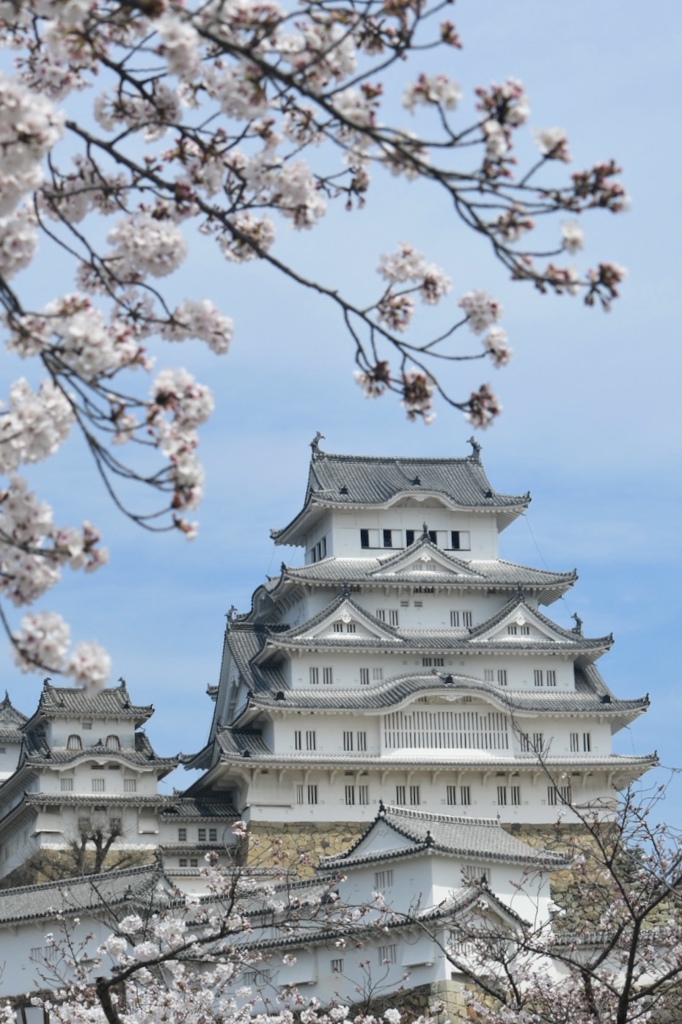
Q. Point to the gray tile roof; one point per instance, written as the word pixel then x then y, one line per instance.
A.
pixel 37 752
pixel 480 838
pixel 380 570
pixel 359 480
pixel 195 808
pixel 237 746
pixel 9 715
pixel 72 701
pixel 74 895
pixel 587 700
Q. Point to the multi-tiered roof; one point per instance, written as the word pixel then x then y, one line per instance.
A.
pixel 458 626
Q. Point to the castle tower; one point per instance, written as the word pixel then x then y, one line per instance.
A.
pixel 406 660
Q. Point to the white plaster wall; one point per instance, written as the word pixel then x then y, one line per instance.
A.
pixel 343 529
pixel 276 795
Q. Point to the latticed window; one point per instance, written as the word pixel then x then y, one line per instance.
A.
pixel 98 785
pixel 558 795
pixel 501 796
pixel 299 793
pixel 74 743
pixel 66 785
pixel 388 954
pixel 587 742
pixel 350 796
pixel 488 675
pixel 446 730
pixel 327 676
pixel 451 795
pixel 347 739
pixel 414 796
pixel 312 793
pixel 464 795
pixel 538 677
pixel 475 873
pixel 314 675
pixel 383 879
pixel 213 835
pixel 515 796
pixel 575 742
pixel 363 795
pixel 201 835
pixel 362 742
pixel 502 677
pixel 337 966
pixel 310 740
pixel 400 796
pixel 113 742
pixel 467 619
pixel 130 785
pixel 551 677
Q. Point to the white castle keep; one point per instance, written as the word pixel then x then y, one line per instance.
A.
pixel 406 661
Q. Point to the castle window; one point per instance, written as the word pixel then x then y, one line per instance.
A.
pixel 454 619
pixel 363 795
pixel 525 630
pixel 337 966
pixel 351 627
pixel 451 795
pixel 575 742
pixel 201 835
pixel 327 676
pixel 465 795
pixel 501 677
pixel 558 795
pixel 66 785
pixel 362 742
pixel 194 862
pixel 338 627
pixel 86 725
pixel 74 743
pixel 475 873
pixel 377 674
pixel 414 796
pixel 488 675
pixel 515 796
pixel 298 739
pixel 299 794
pixel 312 793
pixel 538 677
pixel 130 785
pixel 98 785
pixel 538 742
pixel 369 539
pixel 501 796
pixel 183 862
pixel 347 740
pixel 400 796
pixel 182 835
pixel 314 676
pixel 113 743
pixel 388 955
pixel 350 796
pixel 551 677
pixel 512 630
pixel 467 619
pixel 389 615
pixel 437 662
pixel 383 879
pixel 460 540
pixel 587 742
pixel 364 677
pixel 310 740
pixel 213 835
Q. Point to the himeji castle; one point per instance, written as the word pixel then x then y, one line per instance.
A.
pixel 406 661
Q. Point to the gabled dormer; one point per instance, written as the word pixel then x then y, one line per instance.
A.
pixel 520 625
pixel 421 559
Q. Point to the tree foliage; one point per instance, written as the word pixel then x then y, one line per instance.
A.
pixel 129 126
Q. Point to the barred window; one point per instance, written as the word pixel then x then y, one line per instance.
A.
pixel 363 795
pixel 314 676
pixel 364 677
pixel 312 793
pixel 502 677
pixel 350 796
pixel 362 742
pixel 414 796
pixel 551 677
pixel 130 785
pixel 501 796
pixel 383 879
pixel 400 796
pixel 388 954
pixel 310 740
pixel 347 739
pixel 516 796
pixel 327 676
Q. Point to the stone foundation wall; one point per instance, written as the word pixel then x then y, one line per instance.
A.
pixel 298 839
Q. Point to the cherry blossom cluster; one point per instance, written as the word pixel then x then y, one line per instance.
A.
pixel 128 129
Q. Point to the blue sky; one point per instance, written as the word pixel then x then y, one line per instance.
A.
pixel 591 422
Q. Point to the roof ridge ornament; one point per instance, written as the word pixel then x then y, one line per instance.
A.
pixel 475 449
pixel 578 628
pixel 425 532
pixel 315 444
